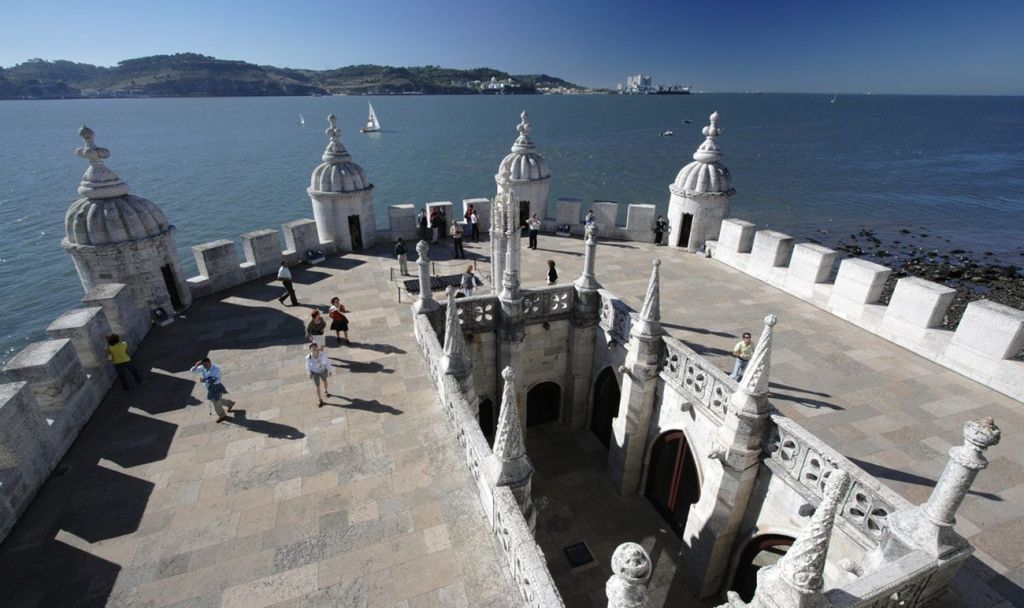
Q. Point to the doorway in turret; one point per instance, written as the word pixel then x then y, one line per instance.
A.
pixel 685 225
pixel 524 214
pixel 172 286
pixel 606 406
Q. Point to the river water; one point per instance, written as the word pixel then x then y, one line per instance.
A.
pixel 951 167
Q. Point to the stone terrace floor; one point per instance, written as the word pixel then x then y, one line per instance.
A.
pixel 368 501
pixel 365 502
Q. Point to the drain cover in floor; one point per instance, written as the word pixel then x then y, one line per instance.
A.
pixel 578 554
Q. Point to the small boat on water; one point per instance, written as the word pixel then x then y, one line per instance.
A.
pixel 302 121
pixel 834 98
pixel 372 124
pixel 687 122
pixel 668 133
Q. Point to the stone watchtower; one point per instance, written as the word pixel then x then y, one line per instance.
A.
pixel 700 195
pixel 116 237
pixel 342 197
pixel 528 174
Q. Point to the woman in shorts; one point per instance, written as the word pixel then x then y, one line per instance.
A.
pixel 318 366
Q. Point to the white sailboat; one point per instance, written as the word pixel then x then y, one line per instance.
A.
pixel 302 121
pixel 372 124
pixel 834 98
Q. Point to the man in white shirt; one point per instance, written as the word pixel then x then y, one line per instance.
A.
pixel 318 366
pixel 534 225
pixel 475 225
pixel 285 276
pixel 209 375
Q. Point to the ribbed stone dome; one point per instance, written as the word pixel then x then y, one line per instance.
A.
pixel 524 163
pixel 337 173
pixel 706 174
pixel 106 213
pixel 113 220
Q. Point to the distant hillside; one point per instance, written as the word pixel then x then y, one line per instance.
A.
pixel 191 75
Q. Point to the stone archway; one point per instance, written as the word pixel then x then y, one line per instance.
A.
pixel 672 480
pixel 543 404
pixel 605 406
pixel 760 551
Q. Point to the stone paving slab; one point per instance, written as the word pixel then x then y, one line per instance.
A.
pixel 364 502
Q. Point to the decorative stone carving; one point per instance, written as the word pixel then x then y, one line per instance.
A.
pixel 650 313
pixel 587 280
pixel 425 303
pixel 755 378
pixel 631 569
pixel 456 359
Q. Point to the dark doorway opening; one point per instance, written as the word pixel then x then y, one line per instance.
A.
pixel 684 230
pixel 355 232
pixel 172 286
pixel 606 406
pixel 487 420
pixel 672 483
pixel 524 214
pixel 760 552
pixel 543 404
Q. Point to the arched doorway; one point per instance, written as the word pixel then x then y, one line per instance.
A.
pixel 672 482
pixel 487 420
pixel 606 406
pixel 543 404
pixel 761 551
pixel 685 224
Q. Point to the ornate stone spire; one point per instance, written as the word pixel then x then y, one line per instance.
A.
pixel 650 312
pixel 709 152
pixel 523 143
pixel 456 360
pixel 631 569
pixel 335 153
pixel 98 181
pixel 513 465
pixel 964 464
pixel 755 378
pixel 803 566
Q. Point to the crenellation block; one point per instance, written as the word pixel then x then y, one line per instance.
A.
pixel 27 453
pixel 53 372
pixel 736 236
pixel 606 213
pixel 483 211
pixel 640 223
pixel 771 249
pixel 569 212
pixel 809 265
pixel 125 317
pixel 919 303
pixel 859 281
pixel 402 219
pixel 218 261
pixel 87 329
pixel 991 329
pixel 300 236
pixel 262 249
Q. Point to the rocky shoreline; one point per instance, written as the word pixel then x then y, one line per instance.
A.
pixel 974 275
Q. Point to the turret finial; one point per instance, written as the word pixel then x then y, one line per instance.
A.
pixel 709 152
pixel 523 143
pixel 335 151
pixel 98 181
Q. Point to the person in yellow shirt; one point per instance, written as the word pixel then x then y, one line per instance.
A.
pixel 743 350
pixel 117 350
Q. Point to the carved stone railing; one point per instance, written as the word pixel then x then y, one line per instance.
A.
pixel 478 314
pixel 522 555
pixel 702 383
pixel 616 316
pixel 807 462
pixel 903 583
pixel 547 302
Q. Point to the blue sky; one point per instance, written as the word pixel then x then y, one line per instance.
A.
pixel 897 46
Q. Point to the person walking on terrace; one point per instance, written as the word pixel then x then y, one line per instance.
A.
pixel 421 221
pixel 318 366
pixel 436 226
pixel 339 322
pixel 315 329
pixel 534 224
pixel 285 276
pixel 209 375
pixel 468 281
pixel 552 273
pixel 117 351
pixel 660 227
pixel 589 220
pixel 743 350
pixel 402 252
pixel 474 222
pixel 456 233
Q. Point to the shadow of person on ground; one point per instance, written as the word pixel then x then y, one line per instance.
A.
pixel 776 385
pixel 371 405
pixel 380 348
pixel 817 404
pixel 270 429
pixel 360 367
pixel 700 330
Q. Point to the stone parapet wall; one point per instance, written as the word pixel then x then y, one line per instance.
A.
pixel 50 389
pixel 986 346
pixel 525 561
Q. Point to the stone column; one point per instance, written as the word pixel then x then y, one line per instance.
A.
pixel 639 386
pixel 456 362
pixel 498 242
pixel 511 467
pixel 631 569
pixel 715 519
pixel 583 318
pixel 426 303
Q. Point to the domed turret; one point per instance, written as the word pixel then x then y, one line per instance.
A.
pixel 529 175
pixel 700 194
pixel 117 237
pixel 342 197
